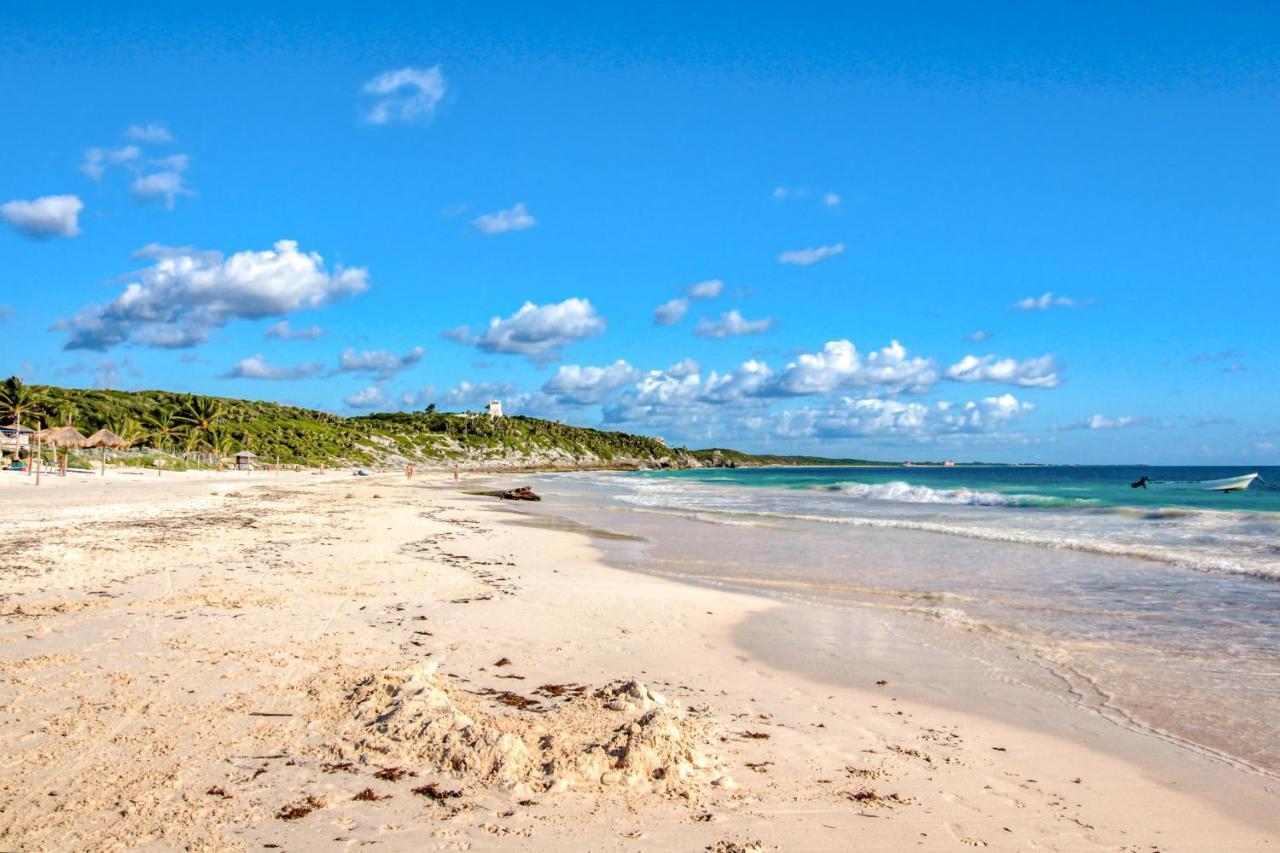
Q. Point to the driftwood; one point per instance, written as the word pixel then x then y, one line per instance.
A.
pixel 524 493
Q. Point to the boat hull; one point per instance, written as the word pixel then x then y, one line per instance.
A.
pixel 1226 484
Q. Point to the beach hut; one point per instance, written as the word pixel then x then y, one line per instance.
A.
pixel 16 439
pixel 244 460
pixel 103 439
pixel 62 438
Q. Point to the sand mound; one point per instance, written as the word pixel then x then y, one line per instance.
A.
pixel 620 735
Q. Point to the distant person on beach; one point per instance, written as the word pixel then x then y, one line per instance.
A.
pixel 455 472
pixel 408 471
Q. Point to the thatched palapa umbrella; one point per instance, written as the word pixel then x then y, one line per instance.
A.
pixel 105 438
pixel 62 437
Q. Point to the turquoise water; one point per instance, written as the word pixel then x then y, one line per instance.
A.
pixel 1063 486
pixel 1160 609
pixel 1083 508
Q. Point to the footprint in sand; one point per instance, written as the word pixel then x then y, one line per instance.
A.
pixel 958 834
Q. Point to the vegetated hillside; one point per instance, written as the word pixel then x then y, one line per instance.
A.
pixel 184 423
pixel 723 457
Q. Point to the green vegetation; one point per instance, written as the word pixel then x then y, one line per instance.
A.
pixel 205 429
pixel 736 458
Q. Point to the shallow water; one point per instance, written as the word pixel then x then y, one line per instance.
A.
pixel 1161 613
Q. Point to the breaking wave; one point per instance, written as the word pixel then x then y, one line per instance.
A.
pixel 903 492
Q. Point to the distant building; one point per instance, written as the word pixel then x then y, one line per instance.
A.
pixel 495 408
pixel 245 460
pixel 948 464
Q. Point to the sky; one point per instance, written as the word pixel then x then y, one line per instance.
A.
pixel 1009 232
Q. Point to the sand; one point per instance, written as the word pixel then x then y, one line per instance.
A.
pixel 302 661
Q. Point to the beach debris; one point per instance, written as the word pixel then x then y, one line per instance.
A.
pixel 370 795
pixel 432 791
pixel 503 662
pixel 218 791
pixel 339 767
pixel 522 493
pixel 393 774
pixel 755 735
pixel 300 809
pixel 729 845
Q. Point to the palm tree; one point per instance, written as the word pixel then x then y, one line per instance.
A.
pixel 222 443
pixel 163 427
pixel 127 428
pixel 199 415
pixel 18 399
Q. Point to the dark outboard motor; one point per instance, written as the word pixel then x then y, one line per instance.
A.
pixel 1140 484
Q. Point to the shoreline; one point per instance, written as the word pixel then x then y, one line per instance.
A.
pixel 149 658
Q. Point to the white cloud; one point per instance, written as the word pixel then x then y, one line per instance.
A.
pixel 257 367
pixel 1033 373
pixel 577 385
pixel 980 336
pixel 407 94
pixel 805 257
pixel 156 134
pixel 536 331
pixel 831 200
pixel 381 363
pixel 186 293
pixel 1045 301
pixel 706 289
pixel 922 422
pixel 671 312
pixel 163 185
pixel 469 395
pixel 96 160
pixel 372 397
pixel 731 324
pixel 282 331
pixel 516 218
pixel 839 365
pixel 44 217
pixel 781 193
pixel 684 367
pixel 1103 422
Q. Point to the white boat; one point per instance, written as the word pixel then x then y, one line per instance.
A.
pixel 1226 484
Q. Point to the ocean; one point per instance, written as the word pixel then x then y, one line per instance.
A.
pixel 1157 608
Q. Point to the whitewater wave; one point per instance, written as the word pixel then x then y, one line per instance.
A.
pixel 904 492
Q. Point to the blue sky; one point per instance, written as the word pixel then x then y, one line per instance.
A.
pixel 798 186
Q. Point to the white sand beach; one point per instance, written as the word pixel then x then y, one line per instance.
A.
pixel 320 661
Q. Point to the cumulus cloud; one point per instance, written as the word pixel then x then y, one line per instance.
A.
pixel 156 134
pixel 671 312
pixel 372 397
pixel 577 385
pixel 805 257
pixel 407 94
pixel 873 416
pixel 536 331
pixel 96 160
pixel 831 200
pixel 1033 373
pixel 257 367
pixel 1045 301
pixel 706 289
pixel 282 331
pixel 44 217
pixel 731 324
pixel 684 367
pixel 475 395
pixel 515 218
pixel 165 184
pixel 839 366
pixel 1104 422
pixel 381 363
pixel 186 293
